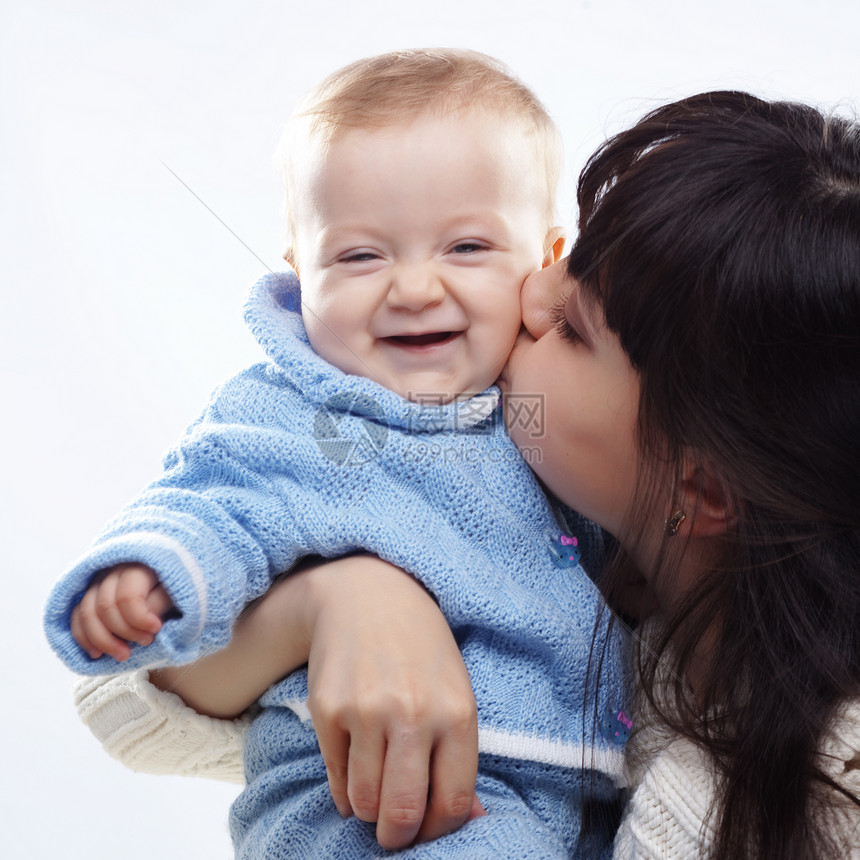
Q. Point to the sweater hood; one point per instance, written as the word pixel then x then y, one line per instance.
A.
pixel 273 312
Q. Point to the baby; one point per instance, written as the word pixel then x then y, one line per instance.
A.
pixel 420 194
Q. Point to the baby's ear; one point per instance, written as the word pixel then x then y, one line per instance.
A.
pixel 553 245
pixel 290 257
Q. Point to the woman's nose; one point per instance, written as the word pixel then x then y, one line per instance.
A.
pixel 414 288
pixel 541 292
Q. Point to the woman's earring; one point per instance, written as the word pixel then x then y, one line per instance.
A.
pixel 671 526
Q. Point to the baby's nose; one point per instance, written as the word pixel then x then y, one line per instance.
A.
pixel 414 289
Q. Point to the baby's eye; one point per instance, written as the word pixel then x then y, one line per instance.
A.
pixel 468 247
pixel 562 324
pixel 359 257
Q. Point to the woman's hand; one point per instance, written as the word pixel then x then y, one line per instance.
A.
pixel 390 697
pixel 391 702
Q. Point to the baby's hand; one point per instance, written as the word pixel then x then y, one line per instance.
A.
pixel 124 604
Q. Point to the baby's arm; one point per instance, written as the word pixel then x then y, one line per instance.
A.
pixel 390 697
pixel 215 530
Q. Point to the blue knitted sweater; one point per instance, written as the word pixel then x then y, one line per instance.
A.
pixel 293 458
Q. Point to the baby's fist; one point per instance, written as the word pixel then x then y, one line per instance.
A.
pixel 122 605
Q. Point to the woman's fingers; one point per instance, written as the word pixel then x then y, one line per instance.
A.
pixel 366 758
pixel 386 779
pixel 405 782
pixel 377 763
pixel 334 747
pixel 453 771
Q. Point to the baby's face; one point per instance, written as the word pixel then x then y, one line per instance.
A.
pixel 412 244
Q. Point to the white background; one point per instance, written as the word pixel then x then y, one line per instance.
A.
pixel 121 292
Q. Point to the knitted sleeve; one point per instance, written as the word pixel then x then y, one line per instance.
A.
pixel 215 527
pixel 667 816
pixel 152 731
pixel 672 781
pixel 839 757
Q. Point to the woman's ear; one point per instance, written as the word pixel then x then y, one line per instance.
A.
pixel 554 244
pixel 704 499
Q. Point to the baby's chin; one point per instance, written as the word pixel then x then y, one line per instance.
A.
pixel 430 391
pixel 436 398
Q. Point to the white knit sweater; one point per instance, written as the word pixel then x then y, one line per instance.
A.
pixel 667 817
pixel 151 731
pixel 155 732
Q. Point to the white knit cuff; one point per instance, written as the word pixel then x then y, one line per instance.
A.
pixel 153 731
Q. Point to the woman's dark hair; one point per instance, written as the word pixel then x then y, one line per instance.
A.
pixel 721 237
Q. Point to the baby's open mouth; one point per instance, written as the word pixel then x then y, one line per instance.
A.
pixel 424 339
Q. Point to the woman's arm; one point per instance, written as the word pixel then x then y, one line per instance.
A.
pixel 271 639
pixel 390 697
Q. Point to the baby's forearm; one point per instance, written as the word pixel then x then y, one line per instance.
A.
pixel 270 640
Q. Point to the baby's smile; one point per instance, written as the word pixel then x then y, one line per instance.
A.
pixel 428 339
pixel 414 251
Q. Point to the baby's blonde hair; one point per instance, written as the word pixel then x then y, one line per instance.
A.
pixel 400 86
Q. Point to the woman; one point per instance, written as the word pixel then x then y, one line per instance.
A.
pixel 702 382
pixel 720 243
